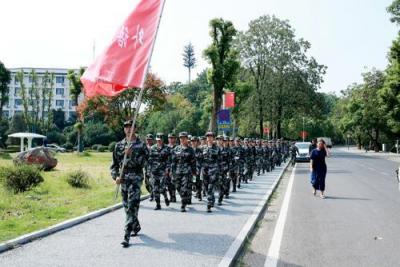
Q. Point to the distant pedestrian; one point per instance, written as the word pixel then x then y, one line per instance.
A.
pixel 318 167
pixel 313 146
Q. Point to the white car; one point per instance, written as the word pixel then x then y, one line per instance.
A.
pixel 303 154
pixel 56 148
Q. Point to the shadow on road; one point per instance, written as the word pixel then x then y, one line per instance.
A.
pixel 188 242
pixel 345 198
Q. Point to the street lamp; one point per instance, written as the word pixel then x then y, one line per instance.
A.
pixel 303 130
pixel 348 141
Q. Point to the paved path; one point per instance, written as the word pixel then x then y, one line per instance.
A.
pixel 168 237
pixel 357 225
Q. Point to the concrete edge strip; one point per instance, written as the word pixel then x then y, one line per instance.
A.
pixel 237 245
pixel 21 240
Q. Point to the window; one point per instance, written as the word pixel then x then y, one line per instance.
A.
pixel 72 103
pixel 18 102
pixel 6 114
pixel 60 79
pixel 15 80
pixel 17 91
pixel 60 103
pixel 30 79
pixel 60 91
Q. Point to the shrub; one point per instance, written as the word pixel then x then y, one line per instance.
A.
pixel 68 146
pixel 96 147
pixel 78 179
pixel 20 178
pixel 101 148
pixel 111 146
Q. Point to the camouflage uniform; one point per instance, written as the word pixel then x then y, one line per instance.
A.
pixel 224 182
pixel 259 151
pixel 199 177
pixel 170 184
pixel 147 175
pixel 158 166
pixel 234 172
pixel 266 160
pixel 248 161
pixel 132 179
pixel 211 168
pixel 184 167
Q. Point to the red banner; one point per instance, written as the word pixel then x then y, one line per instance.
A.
pixel 229 99
pixel 266 130
pixel 125 61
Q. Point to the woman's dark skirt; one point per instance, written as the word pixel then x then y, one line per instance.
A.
pixel 318 179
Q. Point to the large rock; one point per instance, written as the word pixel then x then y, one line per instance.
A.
pixel 41 156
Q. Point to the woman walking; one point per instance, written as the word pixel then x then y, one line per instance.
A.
pixel 318 167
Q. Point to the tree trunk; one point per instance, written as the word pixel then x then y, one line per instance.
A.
pixel 189 76
pixel 214 113
pixel 261 119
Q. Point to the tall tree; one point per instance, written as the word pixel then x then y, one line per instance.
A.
pixel 5 78
pixel 189 59
pixel 285 77
pixel 394 10
pixel 224 61
pixel 75 83
pixel 390 93
pixel 75 90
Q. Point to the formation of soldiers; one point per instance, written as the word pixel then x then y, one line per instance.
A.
pixel 197 167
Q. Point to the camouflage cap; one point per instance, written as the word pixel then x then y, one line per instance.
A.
pixel 183 134
pixel 149 137
pixel 220 137
pixel 171 135
pixel 209 134
pixel 203 137
pixel 194 138
pixel 129 123
pixel 159 136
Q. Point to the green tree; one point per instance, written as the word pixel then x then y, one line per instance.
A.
pixel 285 78
pixel 224 61
pixel 5 78
pixel 189 59
pixel 394 10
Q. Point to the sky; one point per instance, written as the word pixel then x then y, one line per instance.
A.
pixel 347 36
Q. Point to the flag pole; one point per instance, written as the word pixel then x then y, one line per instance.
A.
pixel 138 101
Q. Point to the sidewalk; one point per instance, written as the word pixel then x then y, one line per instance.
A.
pixel 168 237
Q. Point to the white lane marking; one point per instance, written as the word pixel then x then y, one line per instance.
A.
pixel 371 169
pixel 273 252
pixel 385 173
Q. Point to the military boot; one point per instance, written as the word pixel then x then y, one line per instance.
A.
pixel 125 242
pixel 208 208
pixel 166 200
pixel 136 230
pixel 158 206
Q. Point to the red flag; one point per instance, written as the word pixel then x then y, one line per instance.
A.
pixel 230 99
pixel 124 63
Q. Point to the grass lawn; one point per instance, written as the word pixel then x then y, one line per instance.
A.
pixel 55 200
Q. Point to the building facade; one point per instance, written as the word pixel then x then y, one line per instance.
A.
pixel 61 91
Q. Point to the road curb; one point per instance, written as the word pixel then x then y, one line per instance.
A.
pixel 21 240
pixel 240 240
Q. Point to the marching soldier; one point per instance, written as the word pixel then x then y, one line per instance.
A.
pixel 199 161
pixel 211 166
pixel 170 185
pixel 148 185
pixel 259 157
pixel 158 166
pixel 132 177
pixel 184 168
pixel 224 168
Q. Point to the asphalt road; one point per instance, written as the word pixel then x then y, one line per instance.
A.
pixel 358 224
pixel 168 237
